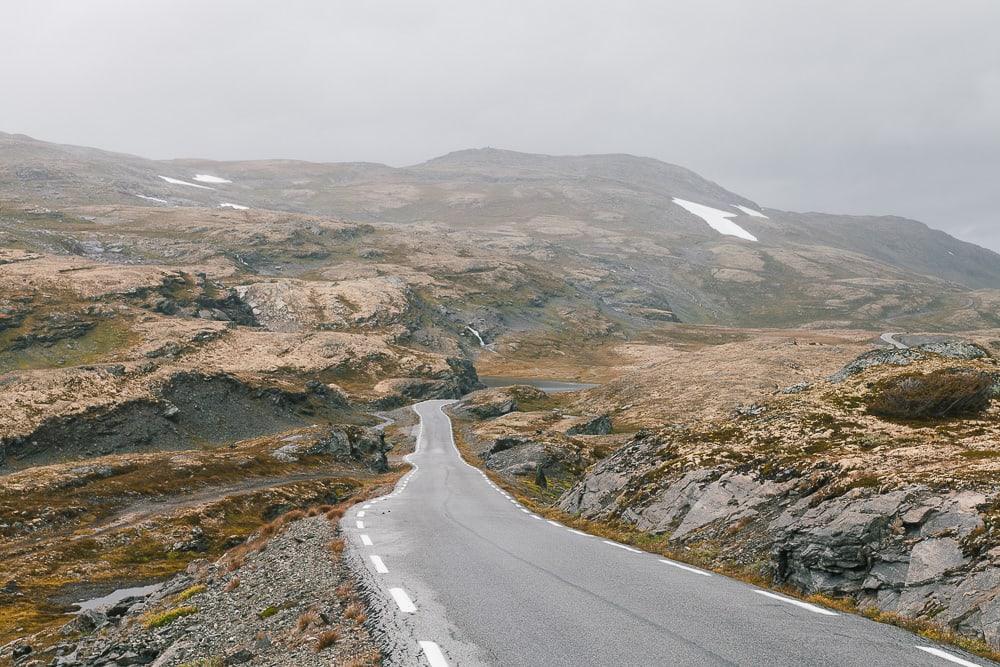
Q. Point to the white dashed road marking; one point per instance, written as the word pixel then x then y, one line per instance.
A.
pixel 361 515
pixel 361 525
pixel 433 654
pixel 947 656
pixel 379 565
pixel 403 600
pixel 798 603
pixel 365 540
pixel 622 546
pixel 685 567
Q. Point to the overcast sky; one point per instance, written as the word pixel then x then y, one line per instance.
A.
pixel 887 106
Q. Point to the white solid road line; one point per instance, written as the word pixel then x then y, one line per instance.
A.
pixel 379 565
pixel 535 516
pixel 947 656
pixel 555 523
pixel 578 532
pixel 365 540
pixel 361 525
pixel 622 546
pixel 433 654
pixel 685 567
pixel 403 600
pixel 798 603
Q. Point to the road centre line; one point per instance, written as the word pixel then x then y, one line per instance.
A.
pixel 379 564
pixel 433 654
pixel 365 540
pixel 403 600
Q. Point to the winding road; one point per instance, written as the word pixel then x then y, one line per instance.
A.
pixel 464 575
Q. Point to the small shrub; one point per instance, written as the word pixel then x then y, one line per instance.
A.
pixel 335 514
pixel 307 619
pixel 267 612
pixel 159 619
pixel 370 659
pixel 205 662
pixel 189 593
pixel 235 562
pixel 344 591
pixel 327 639
pixel 355 612
pixel 337 546
pixel 944 393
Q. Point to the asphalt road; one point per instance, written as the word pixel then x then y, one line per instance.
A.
pixel 463 575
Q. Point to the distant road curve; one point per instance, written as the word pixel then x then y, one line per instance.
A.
pixel 890 338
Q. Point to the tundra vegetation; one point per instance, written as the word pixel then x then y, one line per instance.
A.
pixel 179 380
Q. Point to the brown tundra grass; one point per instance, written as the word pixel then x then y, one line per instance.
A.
pixel 355 612
pixel 327 639
pixel 307 619
pixel 233 584
pixel 337 546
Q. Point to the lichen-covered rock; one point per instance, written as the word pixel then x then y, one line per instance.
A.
pixel 914 551
pixel 599 425
pixel 874 358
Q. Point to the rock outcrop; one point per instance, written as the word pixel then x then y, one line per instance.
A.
pixel 365 445
pixel 914 551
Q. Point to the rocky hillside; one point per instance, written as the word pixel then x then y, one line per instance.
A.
pixel 635 237
pixel 812 489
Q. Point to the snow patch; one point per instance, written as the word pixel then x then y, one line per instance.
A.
pixel 156 199
pixel 751 212
pixel 177 181
pixel 716 219
pixel 208 178
pixel 236 206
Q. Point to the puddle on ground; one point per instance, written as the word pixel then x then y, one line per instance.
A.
pixel 548 386
pixel 114 597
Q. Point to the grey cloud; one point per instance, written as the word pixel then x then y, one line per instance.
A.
pixel 843 106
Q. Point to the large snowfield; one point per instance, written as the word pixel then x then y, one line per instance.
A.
pixel 716 219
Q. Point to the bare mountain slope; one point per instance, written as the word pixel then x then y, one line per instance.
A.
pixel 636 237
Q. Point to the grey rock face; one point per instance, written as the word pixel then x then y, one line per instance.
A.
pixel 85 622
pixel 600 425
pixel 875 358
pixel 475 407
pixel 343 443
pixel 955 350
pixel 908 550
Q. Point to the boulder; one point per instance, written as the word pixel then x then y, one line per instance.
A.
pixel 84 623
pixel 600 425
pixel 874 358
